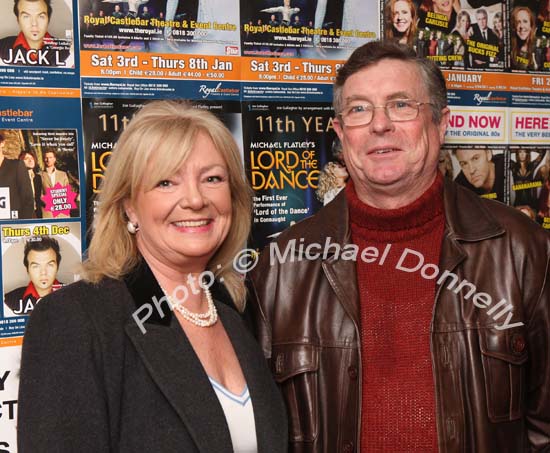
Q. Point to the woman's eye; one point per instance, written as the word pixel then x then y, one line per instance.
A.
pixel 214 178
pixel 164 183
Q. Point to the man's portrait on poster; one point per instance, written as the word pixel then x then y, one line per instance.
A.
pixel 37 33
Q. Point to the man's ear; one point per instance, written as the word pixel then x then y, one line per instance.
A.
pixel 338 128
pixel 444 123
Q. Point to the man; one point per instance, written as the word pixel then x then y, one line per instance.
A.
pixel 50 177
pixel 481 172
pixel 33 45
pixel 41 258
pixel 15 188
pixel 409 314
pixel 483 34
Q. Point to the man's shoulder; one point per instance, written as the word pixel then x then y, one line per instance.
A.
pixel 516 225
pixel 12 298
pixel 329 221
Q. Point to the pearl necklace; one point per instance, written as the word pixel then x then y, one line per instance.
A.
pixel 206 319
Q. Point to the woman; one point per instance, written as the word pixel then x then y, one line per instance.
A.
pixel 29 159
pixel 463 32
pixel 141 356
pixel 400 21
pixel 523 39
pixel 498 28
pixel 445 14
pixel 523 172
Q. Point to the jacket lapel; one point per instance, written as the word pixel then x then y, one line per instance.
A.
pixel 175 368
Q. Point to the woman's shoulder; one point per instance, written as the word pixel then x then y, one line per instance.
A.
pixel 106 301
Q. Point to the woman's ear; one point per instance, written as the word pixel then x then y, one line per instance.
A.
pixel 129 210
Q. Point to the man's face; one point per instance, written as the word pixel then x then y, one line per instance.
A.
pixel 49 160
pixel 476 166
pixel 481 21
pixel 42 270
pixel 398 159
pixel 33 21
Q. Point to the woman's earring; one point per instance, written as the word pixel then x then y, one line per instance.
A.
pixel 133 228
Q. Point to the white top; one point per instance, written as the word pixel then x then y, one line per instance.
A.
pixel 239 415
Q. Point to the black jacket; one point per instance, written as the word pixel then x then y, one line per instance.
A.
pixel 91 382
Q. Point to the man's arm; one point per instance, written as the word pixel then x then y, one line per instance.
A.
pixel 538 389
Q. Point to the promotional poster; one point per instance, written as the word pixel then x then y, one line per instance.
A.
pixel 37 259
pixel 453 34
pixel 10 356
pixel 105 119
pixel 50 185
pixel 529 40
pixel 530 168
pixel 285 150
pixel 161 26
pixel 306 28
pixel 484 169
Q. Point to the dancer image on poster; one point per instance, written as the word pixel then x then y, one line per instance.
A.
pixel 400 21
pixel 481 171
pixel 33 45
pixel 481 33
pixel 286 11
pixel 50 177
pixel 523 171
pixel 14 177
pixel 331 181
pixel 41 258
pixel 30 161
pixel 523 39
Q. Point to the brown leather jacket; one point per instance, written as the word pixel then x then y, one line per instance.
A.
pixel 492 385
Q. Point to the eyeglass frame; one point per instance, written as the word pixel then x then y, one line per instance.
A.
pixel 385 107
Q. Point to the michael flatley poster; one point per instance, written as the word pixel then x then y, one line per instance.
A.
pixel 286 150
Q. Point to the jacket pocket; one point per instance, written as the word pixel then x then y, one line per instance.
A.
pixel 295 369
pixel 503 353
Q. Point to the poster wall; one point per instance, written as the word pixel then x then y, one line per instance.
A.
pixel 69 86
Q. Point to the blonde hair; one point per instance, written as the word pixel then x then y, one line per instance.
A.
pixel 328 180
pixel 165 130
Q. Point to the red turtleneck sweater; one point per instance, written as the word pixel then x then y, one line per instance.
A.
pixel 398 404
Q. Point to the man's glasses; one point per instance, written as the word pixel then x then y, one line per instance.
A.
pixel 362 113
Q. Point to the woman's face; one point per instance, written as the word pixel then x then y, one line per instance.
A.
pixel 184 219
pixel 464 22
pixel 402 17
pixel 522 156
pixel 523 25
pixel 443 7
pixel 29 161
pixel 497 24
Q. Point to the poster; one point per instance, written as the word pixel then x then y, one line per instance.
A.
pixel 37 45
pixel 105 119
pixel 483 169
pixel 10 356
pixel 286 148
pixel 306 28
pixel 37 259
pixel 50 185
pixel 161 26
